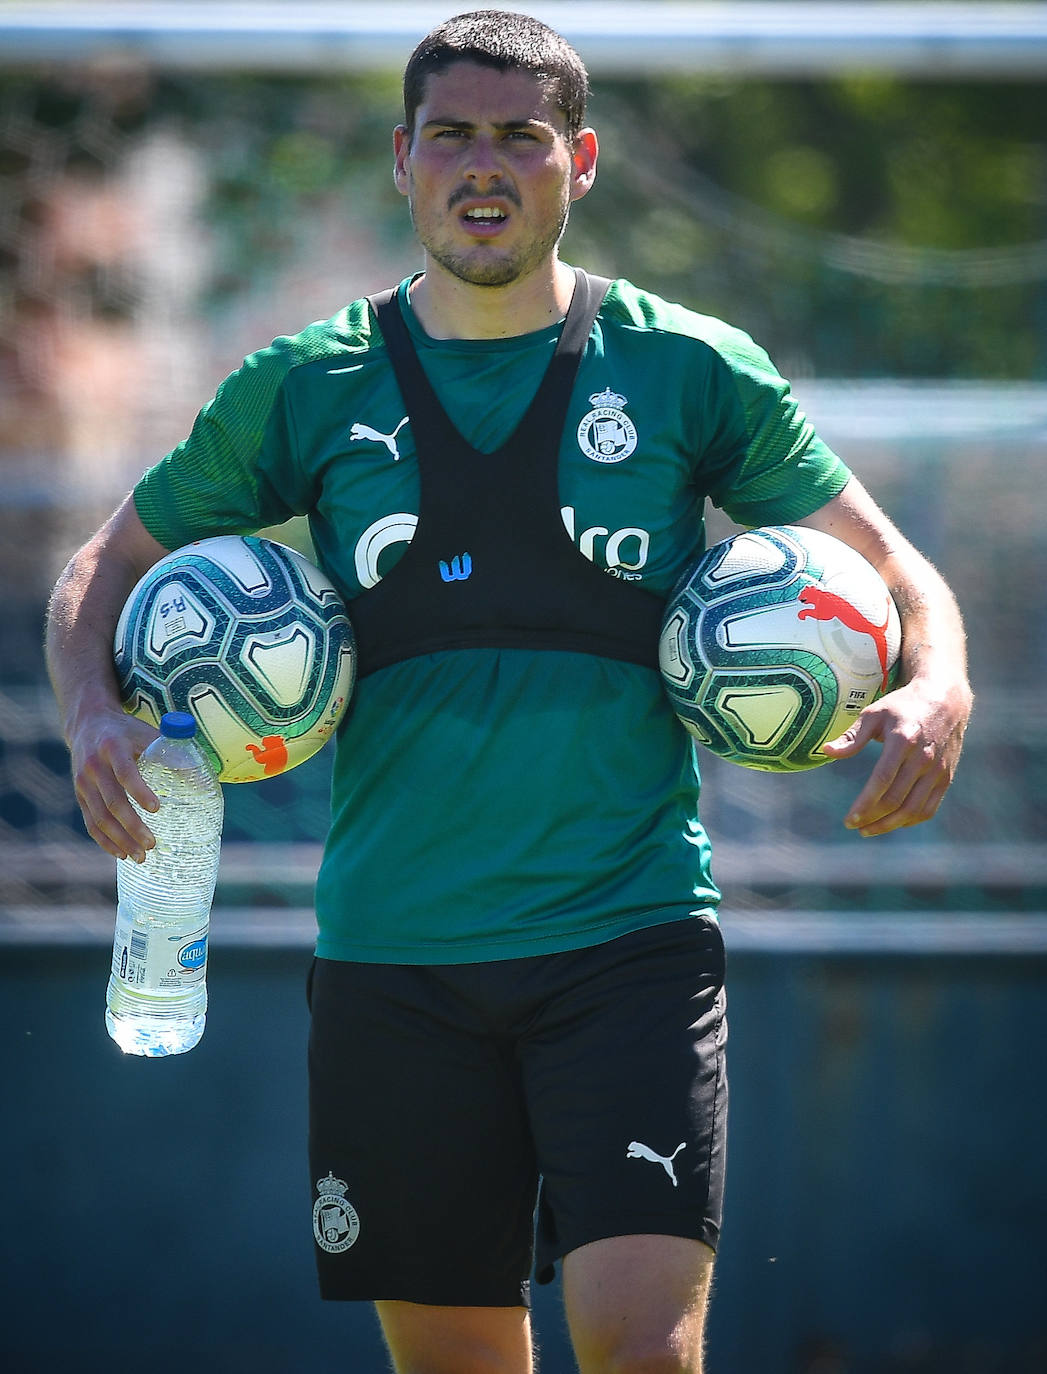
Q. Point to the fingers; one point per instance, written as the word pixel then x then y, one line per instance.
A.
pixel 897 806
pixel 906 786
pixel 105 775
pixel 908 782
pixel 852 740
pixel 111 820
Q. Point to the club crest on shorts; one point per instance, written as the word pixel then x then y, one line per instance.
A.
pixel 606 434
pixel 335 1223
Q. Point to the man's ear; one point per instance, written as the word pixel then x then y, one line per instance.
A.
pixel 401 154
pixel 583 159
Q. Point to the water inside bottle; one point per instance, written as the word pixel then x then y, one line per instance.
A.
pixel 156 1001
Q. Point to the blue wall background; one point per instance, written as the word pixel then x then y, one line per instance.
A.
pixel 887 1191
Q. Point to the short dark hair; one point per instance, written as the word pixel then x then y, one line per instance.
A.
pixel 505 41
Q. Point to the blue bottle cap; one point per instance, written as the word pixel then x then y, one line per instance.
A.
pixel 177 725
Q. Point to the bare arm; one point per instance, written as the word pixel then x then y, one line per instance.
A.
pixel 921 723
pixel 104 742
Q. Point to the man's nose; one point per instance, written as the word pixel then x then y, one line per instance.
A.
pixel 483 162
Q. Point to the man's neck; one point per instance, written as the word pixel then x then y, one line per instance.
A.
pixel 449 308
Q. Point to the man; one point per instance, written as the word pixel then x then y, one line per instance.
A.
pixel 519 971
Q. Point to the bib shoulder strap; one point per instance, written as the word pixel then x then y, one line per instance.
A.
pixel 428 415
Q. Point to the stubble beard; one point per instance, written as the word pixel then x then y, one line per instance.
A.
pixel 486 265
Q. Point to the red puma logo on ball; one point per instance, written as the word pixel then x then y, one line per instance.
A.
pixel 272 756
pixel 823 605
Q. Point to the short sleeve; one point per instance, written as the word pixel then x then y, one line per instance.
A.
pixel 787 471
pixel 238 471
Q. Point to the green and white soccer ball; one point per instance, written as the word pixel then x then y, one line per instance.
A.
pixel 774 643
pixel 250 638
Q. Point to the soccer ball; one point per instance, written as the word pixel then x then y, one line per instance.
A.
pixel 251 639
pixel 774 643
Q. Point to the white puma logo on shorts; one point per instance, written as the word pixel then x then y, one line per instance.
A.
pixel 637 1150
pixel 389 440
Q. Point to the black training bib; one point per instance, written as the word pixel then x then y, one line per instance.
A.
pixel 491 564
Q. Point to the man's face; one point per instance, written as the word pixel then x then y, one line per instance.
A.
pixel 489 173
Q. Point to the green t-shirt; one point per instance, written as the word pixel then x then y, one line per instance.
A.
pixel 494 803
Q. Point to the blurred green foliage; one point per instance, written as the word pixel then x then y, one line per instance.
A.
pixel 729 195
pixel 858 227
pixel 862 226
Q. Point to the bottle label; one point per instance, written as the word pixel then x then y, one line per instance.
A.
pixel 150 959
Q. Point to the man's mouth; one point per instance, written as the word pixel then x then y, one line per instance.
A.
pixel 484 221
pixel 484 212
pixel 484 216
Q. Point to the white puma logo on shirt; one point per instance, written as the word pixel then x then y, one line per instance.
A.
pixel 389 440
pixel 637 1150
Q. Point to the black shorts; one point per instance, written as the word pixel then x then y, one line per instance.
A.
pixel 440 1096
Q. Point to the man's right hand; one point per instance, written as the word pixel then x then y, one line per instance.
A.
pixel 104 754
pixel 104 742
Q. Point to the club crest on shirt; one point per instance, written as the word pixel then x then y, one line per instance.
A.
pixel 606 434
pixel 335 1222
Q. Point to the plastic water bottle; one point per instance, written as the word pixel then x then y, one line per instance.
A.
pixel 157 995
